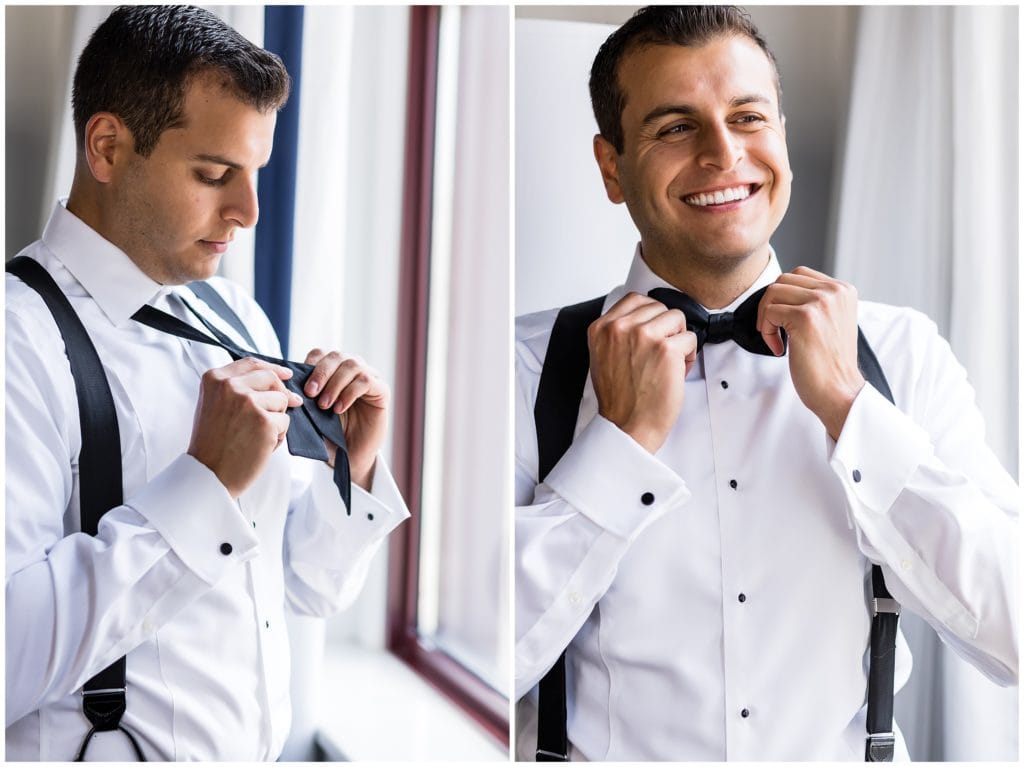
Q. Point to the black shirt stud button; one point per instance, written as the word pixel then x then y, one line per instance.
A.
pixel 225 549
pixel 733 484
pixel 647 499
pixel 742 597
pixel 745 713
pixel 725 384
pixel 856 475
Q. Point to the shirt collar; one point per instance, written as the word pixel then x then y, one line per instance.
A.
pixel 106 272
pixel 642 280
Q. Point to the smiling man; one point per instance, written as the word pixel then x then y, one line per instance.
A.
pixel 163 635
pixel 705 479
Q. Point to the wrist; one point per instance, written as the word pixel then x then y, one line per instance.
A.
pixel 362 473
pixel 834 413
pixel 649 437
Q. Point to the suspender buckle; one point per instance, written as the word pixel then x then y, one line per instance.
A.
pixel 880 747
pixel 550 756
pixel 879 606
pixel 104 708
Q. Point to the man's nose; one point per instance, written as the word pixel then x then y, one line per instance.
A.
pixel 720 148
pixel 242 205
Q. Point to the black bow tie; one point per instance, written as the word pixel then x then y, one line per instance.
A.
pixel 739 326
pixel 308 424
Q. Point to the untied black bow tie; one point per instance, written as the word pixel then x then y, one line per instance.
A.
pixel 308 425
pixel 739 326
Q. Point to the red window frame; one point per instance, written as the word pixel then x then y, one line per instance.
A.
pixel 485 705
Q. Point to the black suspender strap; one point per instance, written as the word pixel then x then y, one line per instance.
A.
pixel 99 474
pixel 559 393
pixel 562 379
pixel 885 611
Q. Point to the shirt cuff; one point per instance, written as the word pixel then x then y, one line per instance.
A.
pixel 878 450
pixel 198 518
pixel 608 477
pixel 374 514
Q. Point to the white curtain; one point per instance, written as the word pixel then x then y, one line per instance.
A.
pixel 345 263
pixel 927 217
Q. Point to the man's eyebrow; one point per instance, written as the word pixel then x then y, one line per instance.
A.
pixel 217 160
pixel 685 109
pixel 667 109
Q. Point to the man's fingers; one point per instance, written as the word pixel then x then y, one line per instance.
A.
pixel 325 364
pixel 314 356
pixel 251 364
pixel 665 323
pixel 625 305
pixel 280 422
pixel 813 273
pixel 777 317
pixel 357 387
pixel 274 401
pixel 340 377
pixel 261 380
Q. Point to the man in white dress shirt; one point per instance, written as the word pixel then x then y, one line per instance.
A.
pixel 221 529
pixel 703 548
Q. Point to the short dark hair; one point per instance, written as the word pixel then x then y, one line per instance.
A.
pixel 687 25
pixel 140 60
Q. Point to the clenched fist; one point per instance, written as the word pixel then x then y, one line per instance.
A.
pixel 240 419
pixel 819 315
pixel 640 353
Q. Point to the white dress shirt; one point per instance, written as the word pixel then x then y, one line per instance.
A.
pixel 204 631
pixel 752 498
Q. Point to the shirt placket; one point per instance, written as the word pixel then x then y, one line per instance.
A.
pixel 203 357
pixel 724 409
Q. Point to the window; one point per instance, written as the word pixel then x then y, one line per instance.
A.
pixel 449 585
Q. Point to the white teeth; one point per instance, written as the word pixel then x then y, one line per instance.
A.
pixel 703 199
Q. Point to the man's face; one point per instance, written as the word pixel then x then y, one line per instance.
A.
pixel 175 212
pixel 704 169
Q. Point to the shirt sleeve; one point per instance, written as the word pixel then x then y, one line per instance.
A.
pixel 573 529
pixel 932 505
pixel 328 549
pixel 75 603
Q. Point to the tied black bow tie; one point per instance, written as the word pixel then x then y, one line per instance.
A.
pixel 308 425
pixel 739 326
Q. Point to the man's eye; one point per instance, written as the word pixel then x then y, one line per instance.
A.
pixel 749 119
pixel 211 181
pixel 676 130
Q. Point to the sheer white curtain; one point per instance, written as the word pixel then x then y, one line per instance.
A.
pixel 927 217
pixel 345 262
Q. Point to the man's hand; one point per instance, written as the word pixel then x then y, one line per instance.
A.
pixel 240 419
pixel 640 353
pixel 360 398
pixel 819 314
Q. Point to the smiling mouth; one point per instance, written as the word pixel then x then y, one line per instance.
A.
pixel 721 196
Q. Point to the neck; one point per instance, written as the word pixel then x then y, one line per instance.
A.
pixel 85 206
pixel 714 285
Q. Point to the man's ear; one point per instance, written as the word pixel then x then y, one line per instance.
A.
pixel 108 142
pixel 607 161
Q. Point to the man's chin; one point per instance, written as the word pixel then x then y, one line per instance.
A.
pixel 197 271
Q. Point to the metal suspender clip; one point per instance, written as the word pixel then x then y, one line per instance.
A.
pixel 104 708
pixel 550 756
pixel 884 606
pixel 880 747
